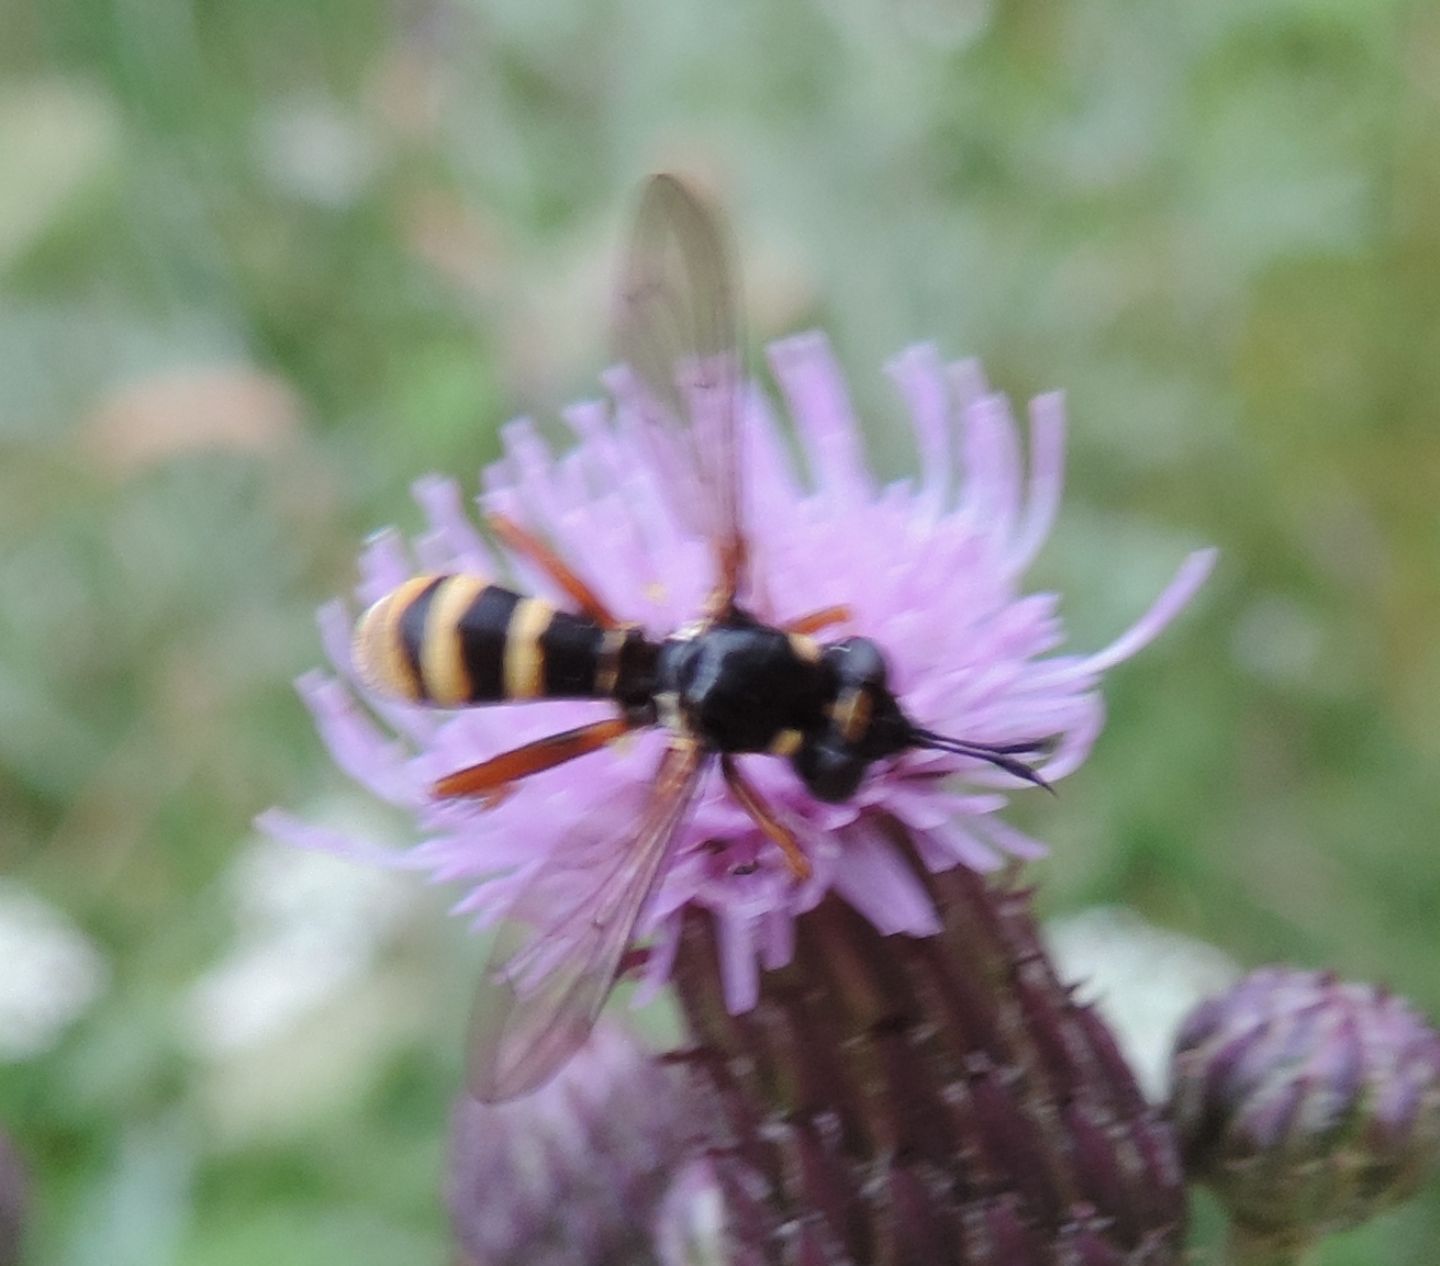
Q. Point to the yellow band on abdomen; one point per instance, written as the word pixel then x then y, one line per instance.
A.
pixel 524 656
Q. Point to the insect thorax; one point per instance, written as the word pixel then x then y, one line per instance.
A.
pixel 741 686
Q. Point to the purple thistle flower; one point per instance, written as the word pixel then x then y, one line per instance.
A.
pixel 930 569
pixel 575 1172
pixel 1307 1103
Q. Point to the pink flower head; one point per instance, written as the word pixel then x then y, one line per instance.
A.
pixel 577 1172
pixel 929 569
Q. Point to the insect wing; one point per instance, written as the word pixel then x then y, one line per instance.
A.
pixel 540 995
pixel 676 328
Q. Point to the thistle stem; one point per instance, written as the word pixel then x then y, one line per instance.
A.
pixel 1247 1247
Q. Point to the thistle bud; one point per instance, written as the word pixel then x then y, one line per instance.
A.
pixel 1307 1103
pixel 574 1172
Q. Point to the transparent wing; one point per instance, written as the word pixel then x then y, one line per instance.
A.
pixel 555 963
pixel 676 328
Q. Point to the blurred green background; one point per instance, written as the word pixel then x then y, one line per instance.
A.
pixel 263 263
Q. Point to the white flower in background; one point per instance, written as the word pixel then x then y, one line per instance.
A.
pixel 50 973
pixel 308 927
pixel 1143 980
pixel 314 151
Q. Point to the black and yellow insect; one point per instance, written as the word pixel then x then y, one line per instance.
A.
pixel 726 685
pixel 455 640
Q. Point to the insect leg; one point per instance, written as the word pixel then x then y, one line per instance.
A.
pixel 733 560
pixel 765 818
pixel 492 778
pixel 817 620
pixel 523 542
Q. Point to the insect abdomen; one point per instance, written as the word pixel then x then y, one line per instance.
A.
pixel 451 640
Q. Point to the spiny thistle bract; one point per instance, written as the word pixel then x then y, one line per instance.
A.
pixel 1306 1102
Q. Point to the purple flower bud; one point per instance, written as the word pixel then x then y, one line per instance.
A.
pixel 575 1172
pixel 1307 1103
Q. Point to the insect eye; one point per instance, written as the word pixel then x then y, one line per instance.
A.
pixel 857 661
pixel 832 772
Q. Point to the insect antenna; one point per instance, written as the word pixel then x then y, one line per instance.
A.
pixel 1001 755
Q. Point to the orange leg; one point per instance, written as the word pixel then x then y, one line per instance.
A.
pixel 732 557
pixel 765 818
pixel 492 778
pixel 523 542
pixel 817 620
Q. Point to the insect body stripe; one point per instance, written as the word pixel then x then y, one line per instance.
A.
pixel 442 653
pixel 851 714
pixel 806 648
pixel 483 635
pixel 607 660
pixel 410 616
pixel 524 659
pixel 570 649
pixel 635 664
pixel 379 651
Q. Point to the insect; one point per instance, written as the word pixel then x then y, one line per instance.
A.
pixel 725 685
